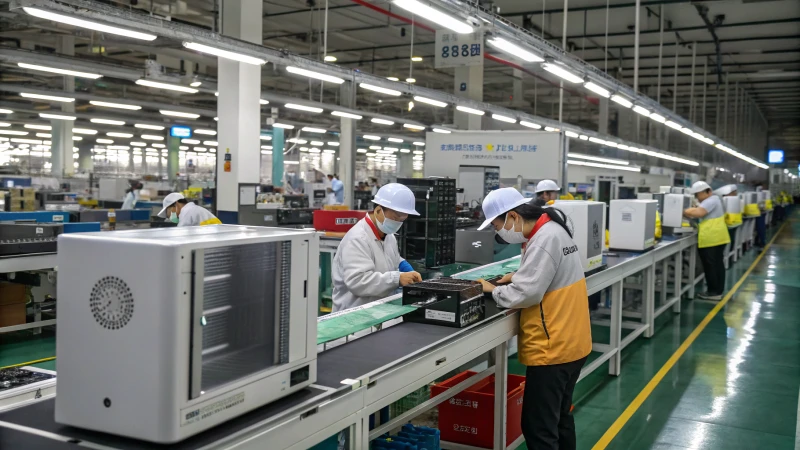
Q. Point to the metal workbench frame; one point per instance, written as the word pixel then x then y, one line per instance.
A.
pixel 350 405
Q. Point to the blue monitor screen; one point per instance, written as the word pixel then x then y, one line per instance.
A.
pixel 180 132
pixel 775 157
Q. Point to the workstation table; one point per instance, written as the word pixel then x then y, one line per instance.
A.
pixel 24 263
pixel 359 377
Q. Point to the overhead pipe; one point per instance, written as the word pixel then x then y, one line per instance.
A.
pixel 496 59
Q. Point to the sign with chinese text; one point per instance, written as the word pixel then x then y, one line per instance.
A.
pixel 457 50
pixel 532 154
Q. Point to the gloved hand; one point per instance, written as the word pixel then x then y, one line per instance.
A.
pixel 405 266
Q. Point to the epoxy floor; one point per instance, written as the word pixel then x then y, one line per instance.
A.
pixel 736 387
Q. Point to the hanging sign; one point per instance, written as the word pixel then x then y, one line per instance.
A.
pixel 458 50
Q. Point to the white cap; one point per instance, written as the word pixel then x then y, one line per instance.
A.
pixel 501 201
pixel 547 185
pixel 397 197
pixel 699 186
pixel 724 190
pixel 168 201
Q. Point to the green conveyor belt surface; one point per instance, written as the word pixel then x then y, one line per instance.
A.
pixel 357 320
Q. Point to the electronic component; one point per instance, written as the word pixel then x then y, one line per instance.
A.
pixel 672 210
pixel 632 225
pixel 28 238
pixel 586 219
pixel 445 301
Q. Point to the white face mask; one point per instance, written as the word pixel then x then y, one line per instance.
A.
pixel 388 226
pixel 511 236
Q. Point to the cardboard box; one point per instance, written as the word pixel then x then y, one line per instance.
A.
pixel 11 315
pixel 22 193
pixel 11 293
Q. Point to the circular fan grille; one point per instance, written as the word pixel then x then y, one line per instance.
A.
pixel 111 303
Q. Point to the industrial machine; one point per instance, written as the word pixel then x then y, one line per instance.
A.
pixel 587 219
pixel 672 210
pixel 164 333
pixel 316 195
pixel 445 301
pixel 28 238
pixel 632 225
pixel 477 182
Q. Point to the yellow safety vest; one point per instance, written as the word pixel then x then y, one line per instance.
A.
pixel 212 221
pixel 733 218
pixel 768 204
pixel 713 232
pixel 658 226
pixel 752 210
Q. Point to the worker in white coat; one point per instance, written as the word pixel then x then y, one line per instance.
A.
pixel 367 265
pixel 547 192
pixel 132 196
pixel 555 334
pixel 185 213
pixel 712 238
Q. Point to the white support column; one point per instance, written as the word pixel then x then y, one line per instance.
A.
pixel 602 126
pixel 468 83
pixel 238 109
pixel 518 93
pixel 61 147
pixel 347 144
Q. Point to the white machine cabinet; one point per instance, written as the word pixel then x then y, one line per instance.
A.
pixel 733 205
pixel 587 220
pixel 164 333
pixel 632 224
pixel 674 205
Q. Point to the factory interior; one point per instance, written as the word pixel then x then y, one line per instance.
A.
pixel 399 224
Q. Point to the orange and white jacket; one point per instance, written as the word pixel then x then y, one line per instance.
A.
pixel 550 289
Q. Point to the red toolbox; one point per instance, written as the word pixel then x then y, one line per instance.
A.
pixel 340 221
pixel 468 418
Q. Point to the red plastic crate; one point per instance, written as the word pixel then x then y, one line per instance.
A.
pixel 340 221
pixel 468 418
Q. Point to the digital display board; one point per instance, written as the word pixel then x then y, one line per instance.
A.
pixel 180 132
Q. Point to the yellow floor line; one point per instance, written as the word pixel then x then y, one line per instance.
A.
pixel 615 428
pixel 35 361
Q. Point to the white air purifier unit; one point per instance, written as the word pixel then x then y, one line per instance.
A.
pixel 587 220
pixel 672 213
pixel 632 225
pixel 164 333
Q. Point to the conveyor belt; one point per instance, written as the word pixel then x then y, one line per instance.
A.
pixel 41 416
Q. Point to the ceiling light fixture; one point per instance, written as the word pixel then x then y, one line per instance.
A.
pixel 73 73
pixel 190 141
pixel 381 121
pixel 514 50
pixel 104 141
pixel 469 110
pixel 641 110
pixel 315 75
pixel 14 133
pixel 411 126
pixel 393 78
pixel 312 109
pixel 148 127
pixel 6 111
pixel 56 116
pixel 152 137
pixel 441 130
pixel 382 90
pixel 392 139
pixel 504 118
pixel 94 26
pixel 434 15
pixel 597 89
pixel 167 86
pixel 206 132
pixel 370 137
pixel 419 143
pixel 84 131
pixel 621 100
pixel 36 127
pixel 525 123
pixel 430 101
pixel 416 58
pixel 179 114
pixel 282 125
pixel 604 166
pixel 46 97
pixel 119 135
pixel 314 130
pixel 658 118
pixel 115 105
pixel 597 158
pixel 411 80
pixel 571 134
pixel 224 53
pixel 346 115
pixel 672 124
pixel 561 72
pixel 330 58
pixel 138 144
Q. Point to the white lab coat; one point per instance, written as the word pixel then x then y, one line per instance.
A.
pixel 129 202
pixel 193 215
pixel 330 199
pixel 364 268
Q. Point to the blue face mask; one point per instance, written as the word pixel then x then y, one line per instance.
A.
pixel 173 217
pixel 388 226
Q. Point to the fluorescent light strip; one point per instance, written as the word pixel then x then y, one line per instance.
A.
pixel 179 114
pixel 571 134
pixel 381 121
pixel 138 144
pixel 14 133
pixel 419 143
pixel 641 110
pixel 441 130
pixel 604 166
pixel 84 131
pixel 6 111
pixel 167 86
pixel 73 73
pixel 315 75
pixel 282 125
pixel 104 141
pixel 434 15
pixel 525 123
pixel 382 90
pixel 46 97
pixel 658 118
pixel 597 89
pixel 190 141
pixel 94 26
pixel 152 137
pixel 37 127
pixel 206 132
pixel 6 124
pixel 583 137
pixel 502 118
pixel 347 115
pixel 335 144
pixel 115 105
pixel 672 124
pixel 411 126
pixel 561 72
pixel 314 130
pixel 430 101
pixel 621 100
pixel 211 143
pixel 312 109
pixel 686 130
pixel 597 158
pixel 468 110
pixel 148 127
pixel 119 135
pixel 224 53
pixel 56 116
pixel 514 50
pixel 371 137
pixel 391 139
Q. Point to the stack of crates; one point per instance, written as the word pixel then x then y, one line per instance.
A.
pixel 20 199
pixel 430 238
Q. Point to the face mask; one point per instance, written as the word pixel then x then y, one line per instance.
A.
pixel 173 217
pixel 389 226
pixel 511 236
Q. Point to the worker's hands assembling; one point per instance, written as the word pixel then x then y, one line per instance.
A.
pixel 407 278
pixel 487 287
pixel 506 278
